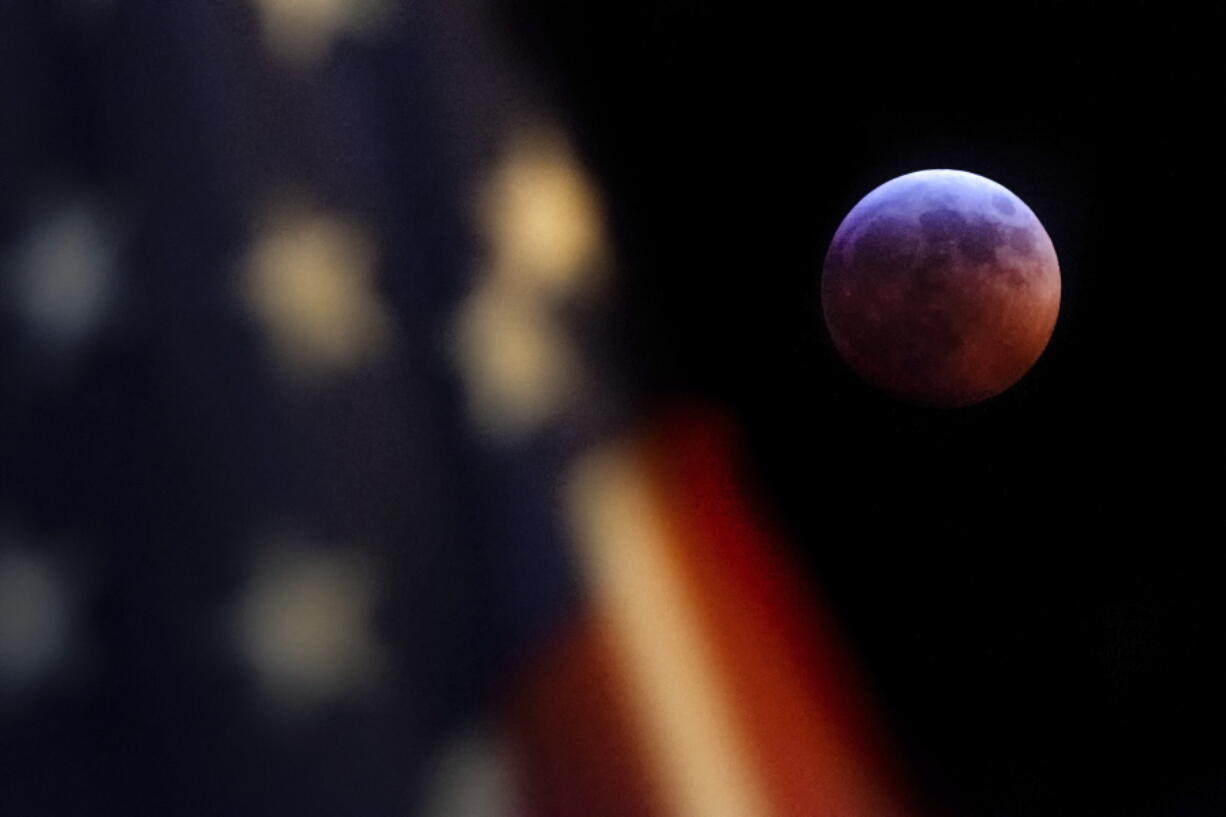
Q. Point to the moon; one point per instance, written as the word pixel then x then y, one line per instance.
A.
pixel 941 287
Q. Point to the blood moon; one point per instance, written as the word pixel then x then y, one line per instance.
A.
pixel 941 287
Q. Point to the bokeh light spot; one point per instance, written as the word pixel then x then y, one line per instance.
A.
pixel 303 624
pixel 302 32
pixel 309 280
pixel 35 618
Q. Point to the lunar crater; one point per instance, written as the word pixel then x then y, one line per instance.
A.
pixel 979 240
pixel 1004 204
pixel 888 244
pixel 942 224
pixel 1014 276
pixel 1021 240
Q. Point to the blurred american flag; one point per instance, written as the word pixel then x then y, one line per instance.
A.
pixel 325 488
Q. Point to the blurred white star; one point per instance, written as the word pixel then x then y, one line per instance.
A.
pixel 309 279
pixel 303 624
pixel 35 617
pixel 543 216
pixel 546 249
pixel 518 368
pixel 63 274
pixel 473 777
pixel 303 32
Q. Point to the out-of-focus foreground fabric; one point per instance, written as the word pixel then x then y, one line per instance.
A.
pixel 321 487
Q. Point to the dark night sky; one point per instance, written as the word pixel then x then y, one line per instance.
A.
pixel 1030 578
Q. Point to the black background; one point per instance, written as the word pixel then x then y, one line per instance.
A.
pixel 1030 580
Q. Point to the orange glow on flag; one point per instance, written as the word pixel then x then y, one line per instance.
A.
pixel 799 703
pixel 706 679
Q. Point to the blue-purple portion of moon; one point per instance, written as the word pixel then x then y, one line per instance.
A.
pixel 941 287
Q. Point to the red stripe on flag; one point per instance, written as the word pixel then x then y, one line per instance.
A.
pixel 796 693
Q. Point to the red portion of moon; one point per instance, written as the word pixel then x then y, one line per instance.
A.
pixel 941 287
